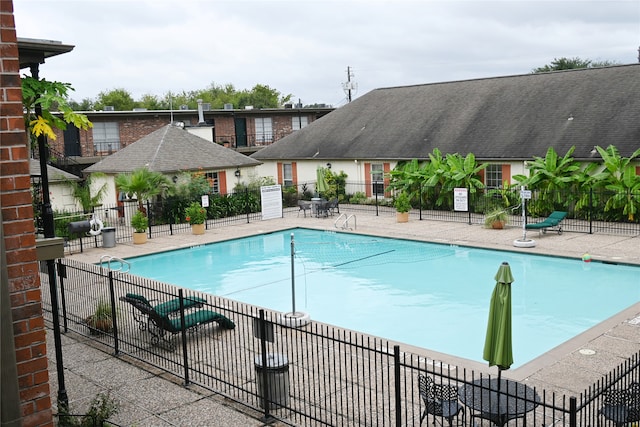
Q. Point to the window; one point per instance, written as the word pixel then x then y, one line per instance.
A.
pixel 377 179
pixel 214 186
pixel 298 122
pixel 493 176
pixel 287 175
pixel 106 137
pixel 264 130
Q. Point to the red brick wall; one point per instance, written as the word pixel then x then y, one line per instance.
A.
pixel 19 235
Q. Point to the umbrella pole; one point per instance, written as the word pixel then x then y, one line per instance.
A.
pixel 499 376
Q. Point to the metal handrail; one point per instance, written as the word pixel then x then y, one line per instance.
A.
pixel 122 263
pixel 345 223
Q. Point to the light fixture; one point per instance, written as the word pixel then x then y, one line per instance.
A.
pixel 594 150
pixel 328 165
pixel 237 173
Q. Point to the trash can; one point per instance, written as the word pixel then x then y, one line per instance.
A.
pixel 277 377
pixel 108 237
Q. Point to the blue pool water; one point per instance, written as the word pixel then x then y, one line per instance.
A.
pixel 429 295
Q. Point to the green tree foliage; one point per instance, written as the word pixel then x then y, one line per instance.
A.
pixel 143 184
pixel 551 175
pixel 619 176
pixel 120 99
pixel 82 192
pixel 49 96
pixel 571 63
pixel 260 96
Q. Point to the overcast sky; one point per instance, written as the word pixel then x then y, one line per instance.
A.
pixel 303 47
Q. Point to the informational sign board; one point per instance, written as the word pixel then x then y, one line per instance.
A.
pixel 460 199
pixel 205 201
pixel 525 194
pixel 271 201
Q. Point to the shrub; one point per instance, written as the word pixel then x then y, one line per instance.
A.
pixel 139 222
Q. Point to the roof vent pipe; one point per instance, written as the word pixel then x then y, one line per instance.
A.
pixel 200 113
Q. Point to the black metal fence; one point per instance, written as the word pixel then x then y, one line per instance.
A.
pixel 306 374
pixel 587 212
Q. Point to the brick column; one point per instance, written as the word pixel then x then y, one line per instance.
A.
pixel 22 279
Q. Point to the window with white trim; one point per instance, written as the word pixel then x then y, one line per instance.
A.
pixel 106 137
pixel 377 179
pixel 264 130
pixel 298 122
pixel 493 176
pixel 287 175
pixel 214 186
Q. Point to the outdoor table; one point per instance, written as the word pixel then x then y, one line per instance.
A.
pixel 513 400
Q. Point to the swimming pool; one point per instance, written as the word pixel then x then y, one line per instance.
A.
pixel 428 295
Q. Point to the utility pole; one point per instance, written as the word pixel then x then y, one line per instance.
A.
pixel 349 86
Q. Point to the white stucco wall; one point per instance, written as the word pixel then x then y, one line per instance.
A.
pixel 61 197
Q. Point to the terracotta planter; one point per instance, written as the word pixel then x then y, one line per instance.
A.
pixel 402 216
pixel 497 225
pixel 197 228
pixel 139 238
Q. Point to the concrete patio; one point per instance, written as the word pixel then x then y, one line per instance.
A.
pixel 151 397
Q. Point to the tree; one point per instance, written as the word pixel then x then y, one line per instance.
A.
pixel 143 184
pixel 48 95
pixel 120 99
pixel 571 63
pixel 550 175
pixel 81 191
pixel 619 176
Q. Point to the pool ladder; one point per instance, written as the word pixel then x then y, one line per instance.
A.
pixel 113 262
pixel 345 222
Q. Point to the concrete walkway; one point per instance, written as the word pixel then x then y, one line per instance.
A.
pixel 153 398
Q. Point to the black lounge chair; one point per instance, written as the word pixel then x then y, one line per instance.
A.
pixel 552 221
pixel 166 308
pixel 160 324
pixel 440 400
pixel 622 407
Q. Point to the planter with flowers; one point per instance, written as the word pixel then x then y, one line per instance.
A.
pixel 196 215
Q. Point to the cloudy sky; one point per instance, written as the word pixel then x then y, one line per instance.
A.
pixel 304 47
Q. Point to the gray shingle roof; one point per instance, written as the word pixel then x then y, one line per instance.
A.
pixel 172 149
pixel 513 117
pixel 54 174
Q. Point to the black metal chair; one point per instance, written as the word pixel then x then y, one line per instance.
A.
pixel 304 207
pixel 622 407
pixel 440 400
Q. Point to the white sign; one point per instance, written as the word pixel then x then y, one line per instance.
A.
pixel 460 199
pixel 271 201
pixel 205 201
pixel 525 194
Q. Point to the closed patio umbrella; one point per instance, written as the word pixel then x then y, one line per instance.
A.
pixel 497 345
pixel 321 185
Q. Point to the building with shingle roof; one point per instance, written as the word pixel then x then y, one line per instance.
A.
pixel 172 150
pixel 503 120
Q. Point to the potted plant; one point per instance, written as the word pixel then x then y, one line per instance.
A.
pixel 496 218
pixel 140 223
pixel 196 215
pixel 101 321
pixel 403 206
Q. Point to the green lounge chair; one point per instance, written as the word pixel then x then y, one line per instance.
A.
pixel 161 324
pixel 552 221
pixel 166 308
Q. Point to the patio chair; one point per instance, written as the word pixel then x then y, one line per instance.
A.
pixel 304 207
pixel 160 325
pixel 552 221
pixel 322 209
pixel 622 407
pixel 167 308
pixel 333 207
pixel 440 400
